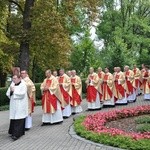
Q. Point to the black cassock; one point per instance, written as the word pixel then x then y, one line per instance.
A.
pixel 17 127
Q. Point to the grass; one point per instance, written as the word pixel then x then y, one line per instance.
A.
pixel 143 124
pixel 143 127
pixel 143 119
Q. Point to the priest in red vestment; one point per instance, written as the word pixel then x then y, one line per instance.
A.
pixel 118 88
pixel 141 79
pixel 66 92
pixel 92 83
pixel 51 100
pixel 31 98
pixel 146 83
pixel 76 98
pixel 108 97
pixel 137 77
pixel 129 84
pixel 101 78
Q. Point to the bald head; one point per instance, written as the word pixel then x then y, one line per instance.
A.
pixel 48 73
pixel 99 69
pixel 69 73
pixel 61 72
pixel 106 70
pixel 118 69
pixel 55 73
pixel 126 68
pixel 91 70
pixel 73 72
pixel 115 69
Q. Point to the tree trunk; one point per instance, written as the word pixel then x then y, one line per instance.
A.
pixel 2 79
pixel 24 44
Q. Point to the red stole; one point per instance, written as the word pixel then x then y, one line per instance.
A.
pixel 106 88
pixel 119 87
pixel 64 93
pixel 100 75
pixel 145 80
pixel 48 98
pixel 129 84
pixel 91 92
pixel 75 96
pixel 134 70
pixel 137 81
pixel 32 104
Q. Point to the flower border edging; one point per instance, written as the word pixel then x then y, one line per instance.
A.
pixel 73 134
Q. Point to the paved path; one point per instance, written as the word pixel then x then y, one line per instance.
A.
pixel 54 137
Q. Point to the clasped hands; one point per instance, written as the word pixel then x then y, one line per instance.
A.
pixel 45 88
pixel 12 88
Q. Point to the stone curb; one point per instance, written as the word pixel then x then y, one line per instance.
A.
pixel 73 134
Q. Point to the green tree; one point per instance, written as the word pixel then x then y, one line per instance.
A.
pixel 125 30
pixel 7 46
pixel 39 32
pixel 84 55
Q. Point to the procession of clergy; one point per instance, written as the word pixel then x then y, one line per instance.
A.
pixel 62 95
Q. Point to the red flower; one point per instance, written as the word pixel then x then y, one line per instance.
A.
pixel 96 122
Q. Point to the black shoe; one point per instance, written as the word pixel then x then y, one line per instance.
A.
pixel 45 124
pixel 14 138
pixel 65 117
pixel 146 99
pixel 120 104
pixel 95 109
pixel 27 129
pixel 73 113
pixel 57 123
pixel 108 106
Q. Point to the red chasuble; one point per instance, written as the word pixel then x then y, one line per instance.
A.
pixel 106 89
pixel 100 75
pixel 64 93
pixel 91 92
pixel 129 84
pixel 48 99
pixel 32 104
pixel 137 81
pixel 145 80
pixel 119 87
pixel 75 96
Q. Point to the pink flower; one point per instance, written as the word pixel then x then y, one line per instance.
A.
pixel 96 122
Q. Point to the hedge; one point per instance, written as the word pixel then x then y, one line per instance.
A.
pixel 5 101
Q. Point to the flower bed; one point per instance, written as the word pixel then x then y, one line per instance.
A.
pixel 96 122
pixel 93 127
